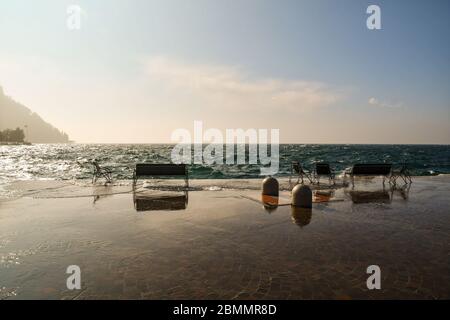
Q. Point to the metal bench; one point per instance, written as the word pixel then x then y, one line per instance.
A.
pixel 101 172
pixel 370 169
pixel 98 171
pixel 297 169
pixel 402 173
pixel 158 170
pixel 323 169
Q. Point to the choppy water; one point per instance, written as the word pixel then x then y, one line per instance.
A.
pixel 59 161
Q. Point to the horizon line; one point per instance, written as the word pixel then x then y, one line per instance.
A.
pixel 281 143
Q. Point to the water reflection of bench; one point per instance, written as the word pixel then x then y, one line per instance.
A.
pixel 381 196
pixel 152 203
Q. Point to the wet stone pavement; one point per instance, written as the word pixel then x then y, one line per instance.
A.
pixel 223 245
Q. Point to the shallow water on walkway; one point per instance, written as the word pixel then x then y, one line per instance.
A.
pixel 225 244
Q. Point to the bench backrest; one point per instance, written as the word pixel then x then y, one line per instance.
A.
pixel 166 169
pixel 323 169
pixel 382 169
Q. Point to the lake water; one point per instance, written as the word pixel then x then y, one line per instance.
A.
pixel 60 161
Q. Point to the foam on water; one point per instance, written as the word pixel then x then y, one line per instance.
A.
pixel 61 161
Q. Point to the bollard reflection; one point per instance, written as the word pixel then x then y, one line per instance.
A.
pixel 301 216
pixel 270 203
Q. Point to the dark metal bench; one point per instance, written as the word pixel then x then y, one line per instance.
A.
pixel 323 169
pixel 297 169
pixel 98 172
pixel 403 173
pixel 370 169
pixel 158 170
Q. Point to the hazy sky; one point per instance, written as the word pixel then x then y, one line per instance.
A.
pixel 138 70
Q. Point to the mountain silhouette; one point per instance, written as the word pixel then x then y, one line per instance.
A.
pixel 15 115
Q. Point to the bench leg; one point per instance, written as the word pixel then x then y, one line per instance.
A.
pixel 407 178
pixel 394 180
pixel 134 199
pixel 107 177
pixel 134 180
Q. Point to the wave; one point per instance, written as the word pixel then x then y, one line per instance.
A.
pixel 61 161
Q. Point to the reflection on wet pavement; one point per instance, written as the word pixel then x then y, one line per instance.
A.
pixel 270 203
pixel 222 245
pixel 301 216
pixel 370 196
pixel 323 195
pixel 151 203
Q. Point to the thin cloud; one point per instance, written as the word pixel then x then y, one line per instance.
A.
pixel 230 87
pixel 375 102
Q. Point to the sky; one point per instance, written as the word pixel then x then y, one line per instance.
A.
pixel 138 70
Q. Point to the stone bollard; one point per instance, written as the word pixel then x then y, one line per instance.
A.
pixel 270 187
pixel 302 196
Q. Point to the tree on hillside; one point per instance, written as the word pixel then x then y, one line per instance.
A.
pixel 9 135
pixel 18 135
